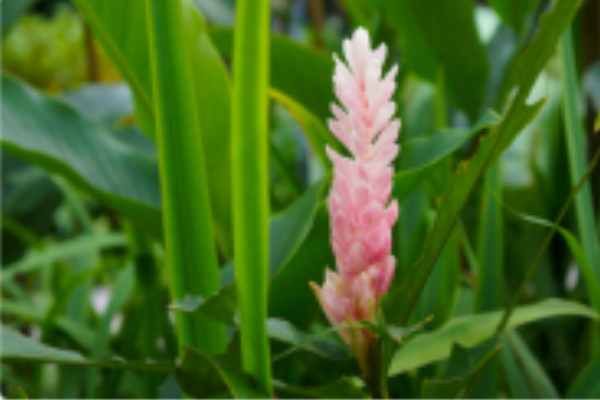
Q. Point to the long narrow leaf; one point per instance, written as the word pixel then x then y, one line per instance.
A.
pixel 190 242
pixel 577 151
pixel 250 183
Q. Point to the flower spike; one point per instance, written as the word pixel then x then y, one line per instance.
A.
pixel 361 218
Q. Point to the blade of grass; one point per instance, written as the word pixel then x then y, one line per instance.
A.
pixel 189 239
pixel 577 152
pixel 577 155
pixel 250 182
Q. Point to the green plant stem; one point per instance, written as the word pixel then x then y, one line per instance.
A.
pixel 250 182
pixel 503 323
pixel 189 239
pixel 376 377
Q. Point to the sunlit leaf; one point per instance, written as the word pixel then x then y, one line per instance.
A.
pixel 471 330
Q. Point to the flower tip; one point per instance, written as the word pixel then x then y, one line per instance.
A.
pixel 316 289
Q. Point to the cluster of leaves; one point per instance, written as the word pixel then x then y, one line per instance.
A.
pixel 82 213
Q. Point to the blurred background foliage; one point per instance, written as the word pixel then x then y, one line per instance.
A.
pixel 78 274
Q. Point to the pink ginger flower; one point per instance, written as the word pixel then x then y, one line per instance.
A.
pixel 361 219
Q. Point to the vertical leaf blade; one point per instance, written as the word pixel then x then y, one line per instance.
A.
pixel 190 245
pixel 250 182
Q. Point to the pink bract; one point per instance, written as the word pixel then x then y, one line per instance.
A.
pixel 361 218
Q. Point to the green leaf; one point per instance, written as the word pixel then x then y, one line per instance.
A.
pixel 250 170
pixel 52 135
pixel 285 332
pixel 16 347
pixel 343 388
pixel 290 296
pixel 28 313
pixel 490 273
pixel 222 307
pixel 464 369
pixel 317 134
pixel 17 393
pixel 289 228
pixel 113 20
pixel 530 368
pixel 190 242
pixel 440 34
pixel 288 231
pixel 71 248
pixel 297 71
pixel 400 303
pixel 471 330
pixel 514 12
pixel 577 251
pixel 108 104
pixel 205 377
pixel 518 387
pixel 576 149
pixel 420 156
pixel 587 384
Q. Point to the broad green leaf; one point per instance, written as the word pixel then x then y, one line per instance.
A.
pixel 422 155
pixel 61 251
pixel 464 369
pixel 540 383
pixel 343 388
pixel 205 377
pixel 287 231
pixel 471 330
pixel 52 135
pixel 16 347
pixel 297 71
pixel 121 28
pixel 400 303
pixel 190 242
pixel 440 34
pixel 290 296
pixel 105 103
pixel 587 384
pixel 289 228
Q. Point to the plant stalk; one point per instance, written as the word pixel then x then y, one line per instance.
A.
pixel 189 239
pixel 250 144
